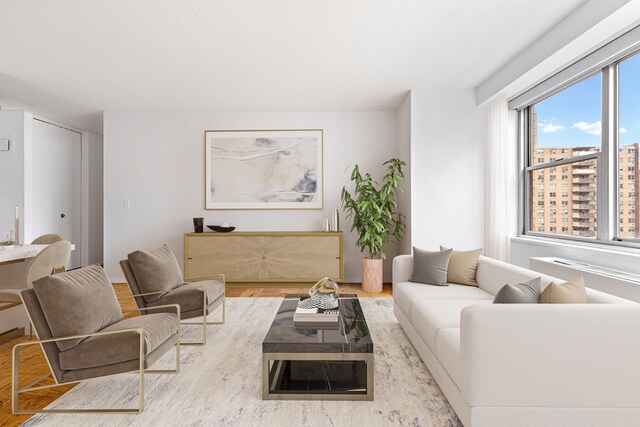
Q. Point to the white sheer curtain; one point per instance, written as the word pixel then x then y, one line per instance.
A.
pixel 501 180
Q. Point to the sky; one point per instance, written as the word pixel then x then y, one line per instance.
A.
pixel 572 118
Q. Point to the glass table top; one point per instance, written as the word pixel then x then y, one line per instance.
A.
pixel 351 336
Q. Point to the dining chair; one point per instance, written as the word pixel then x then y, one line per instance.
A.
pixel 47 239
pixel 51 260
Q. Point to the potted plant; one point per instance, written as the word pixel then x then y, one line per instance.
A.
pixel 8 243
pixel 374 213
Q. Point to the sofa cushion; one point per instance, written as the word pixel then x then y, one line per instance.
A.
pixel 571 292
pixel 520 293
pixel 406 293
pixel 430 267
pixel 448 353
pixel 155 270
pixel 77 302
pixel 462 266
pixel 115 348
pixel 428 317
pixel 492 275
pixel 189 296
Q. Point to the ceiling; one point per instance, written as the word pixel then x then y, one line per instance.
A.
pixel 73 59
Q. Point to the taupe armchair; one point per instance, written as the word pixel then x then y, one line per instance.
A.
pixel 154 278
pixel 79 326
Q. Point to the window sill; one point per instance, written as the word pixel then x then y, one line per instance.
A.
pixel 611 248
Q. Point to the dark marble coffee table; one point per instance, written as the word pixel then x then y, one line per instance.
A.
pixel 318 364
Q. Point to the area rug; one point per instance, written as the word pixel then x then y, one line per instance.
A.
pixel 220 384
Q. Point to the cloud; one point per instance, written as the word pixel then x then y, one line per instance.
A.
pixel 623 130
pixel 549 127
pixel 594 128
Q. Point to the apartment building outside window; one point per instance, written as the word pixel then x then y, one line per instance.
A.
pixel 589 131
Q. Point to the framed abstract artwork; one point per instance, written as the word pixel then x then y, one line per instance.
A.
pixel 263 169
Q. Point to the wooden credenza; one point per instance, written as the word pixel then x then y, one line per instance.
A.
pixel 265 256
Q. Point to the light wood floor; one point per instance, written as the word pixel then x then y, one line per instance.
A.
pixel 33 364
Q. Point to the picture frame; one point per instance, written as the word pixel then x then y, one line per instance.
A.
pixel 264 169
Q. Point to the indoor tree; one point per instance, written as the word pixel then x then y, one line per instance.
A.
pixel 375 217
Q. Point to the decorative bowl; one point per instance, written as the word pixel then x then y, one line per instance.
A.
pixel 220 229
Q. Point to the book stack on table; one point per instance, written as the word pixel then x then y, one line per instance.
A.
pixel 315 318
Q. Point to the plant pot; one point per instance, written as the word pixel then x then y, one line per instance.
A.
pixel 371 275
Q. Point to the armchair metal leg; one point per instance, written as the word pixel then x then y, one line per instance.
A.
pixel 204 323
pixel 168 371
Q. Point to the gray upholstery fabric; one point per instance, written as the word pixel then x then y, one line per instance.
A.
pixel 109 349
pixel 430 267
pixel 42 331
pixel 520 293
pixel 47 239
pixel 77 302
pixel 189 296
pixel 118 368
pixel 155 270
pixel 51 259
pixel 133 283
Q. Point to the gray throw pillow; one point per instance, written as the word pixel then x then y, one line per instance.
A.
pixel 430 267
pixel 77 302
pixel 520 293
pixel 156 270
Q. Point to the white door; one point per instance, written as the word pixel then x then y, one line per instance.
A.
pixel 45 178
pixel 57 184
pixel 70 191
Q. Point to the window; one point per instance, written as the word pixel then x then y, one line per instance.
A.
pixel 572 121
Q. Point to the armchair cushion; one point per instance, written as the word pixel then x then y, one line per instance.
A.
pixel 105 350
pixel 77 302
pixel 189 296
pixel 155 270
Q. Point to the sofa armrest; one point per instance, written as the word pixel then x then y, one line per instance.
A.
pixel 402 268
pixel 559 355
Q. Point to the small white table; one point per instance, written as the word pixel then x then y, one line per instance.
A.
pixel 19 253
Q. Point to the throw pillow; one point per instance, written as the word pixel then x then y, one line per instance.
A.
pixel 571 292
pixel 155 270
pixel 462 266
pixel 520 293
pixel 77 302
pixel 430 267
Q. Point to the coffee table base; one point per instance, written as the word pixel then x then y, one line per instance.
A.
pixel 278 369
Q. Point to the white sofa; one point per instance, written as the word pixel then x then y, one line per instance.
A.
pixel 524 364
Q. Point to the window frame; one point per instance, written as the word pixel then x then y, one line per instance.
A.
pixel 607 160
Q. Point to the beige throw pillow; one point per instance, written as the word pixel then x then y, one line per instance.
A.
pixel 571 292
pixel 462 266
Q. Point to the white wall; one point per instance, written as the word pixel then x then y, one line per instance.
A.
pixel 447 169
pixel 403 117
pixel 155 160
